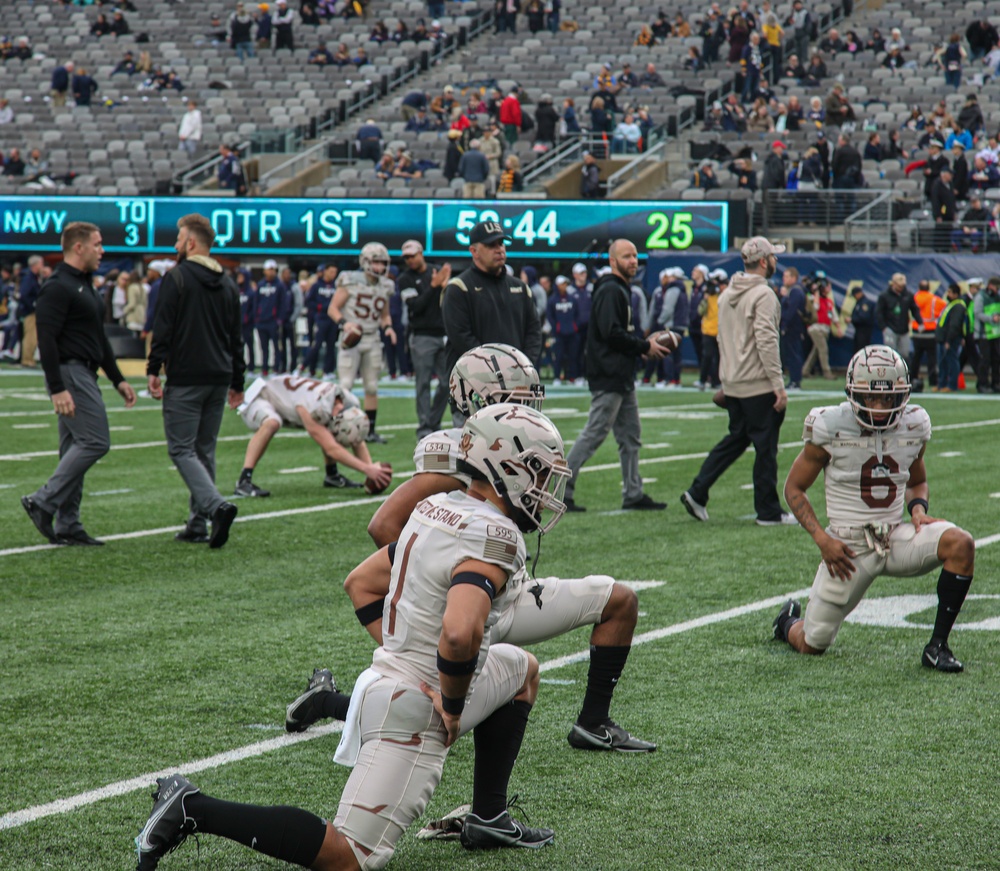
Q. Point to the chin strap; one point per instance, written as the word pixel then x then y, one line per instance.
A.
pixel 536 590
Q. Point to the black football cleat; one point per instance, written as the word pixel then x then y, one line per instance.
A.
pixel 791 610
pixel 248 488
pixel 340 482
pixel 609 736
pixel 301 713
pixel 168 824
pixel 222 520
pixel 938 655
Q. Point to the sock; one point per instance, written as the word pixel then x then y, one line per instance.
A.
pixel 951 590
pixel 498 740
pixel 286 833
pixel 371 412
pixel 606 665
pixel 331 470
pixel 332 704
pixel 246 475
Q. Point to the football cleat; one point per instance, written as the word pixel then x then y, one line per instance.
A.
pixel 447 828
pixel 791 610
pixel 376 439
pixel 609 736
pixel 786 519
pixel 222 520
pixel 340 482
pixel 192 536
pixel 168 824
pixel 698 512
pixel 248 488
pixel 502 831
pixel 938 655
pixel 301 713
pixel 644 503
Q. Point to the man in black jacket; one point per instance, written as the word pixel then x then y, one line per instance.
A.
pixel 420 287
pixel 612 347
pixel 893 311
pixel 197 335
pixel 944 209
pixel 485 304
pixel 70 318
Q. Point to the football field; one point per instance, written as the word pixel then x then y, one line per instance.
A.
pixel 150 656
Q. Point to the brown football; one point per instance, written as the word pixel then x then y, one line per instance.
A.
pixel 373 489
pixel 352 334
pixel 667 339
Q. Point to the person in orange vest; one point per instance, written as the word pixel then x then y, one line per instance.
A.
pixel 924 342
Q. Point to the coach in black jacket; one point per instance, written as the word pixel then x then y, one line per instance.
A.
pixel 612 347
pixel 197 334
pixel 485 304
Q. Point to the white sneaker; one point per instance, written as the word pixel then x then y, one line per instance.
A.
pixel 660 385
pixel 671 385
pixel 580 382
pixel 786 520
pixel 698 512
pixel 558 382
pixel 699 385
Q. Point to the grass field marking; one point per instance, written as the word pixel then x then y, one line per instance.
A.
pixel 145 781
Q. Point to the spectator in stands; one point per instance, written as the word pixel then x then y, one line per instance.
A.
pixel 61 81
pixel 401 33
pixel 627 136
pixel 831 44
pixel 794 114
pixel 936 161
pixel 406 169
pixel 960 168
pixel 852 43
pixel 984 175
pixel 308 16
pixel 811 178
pixel 959 135
pixel 694 60
pixel 930 135
pixel 474 169
pixel 838 108
pixel 772 45
pixel 739 36
pixel 894 149
pixel 320 56
pixel 101 26
pixel 507 15
pixel 751 62
pixel 491 146
pixel 971 115
pixel 660 27
pixel 419 32
pixel 511 180
pixel 894 60
pixel 816 71
pixel 84 87
pixel 825 150
pixel 734 116
pixel 873 147
pixel 453 154
pixel 552 16
pixel 590 180
pixel 170 82
pixel 240 32
pixel 6 112
pixel 385 166
pixel 875 43
pixel 546 122
pixel 413 102
pixel 360 57
pixel 265 25
pixel 626 78
pixel 369 139
pixel 916 121
pixel 570 124
pixel 949 60
pixel 942 117
pixel 125 65
pixel 895 39
pixel 760 120
pixel 283 21
pixel 682 30
pixel 535 13
pixel 651 78
pixel 846 164
pixel 982 37
pixel 705 178
pixel 443 103
pixel 742 169
pixel 379 32
pixel 420 123
pixel 944 208
pixel 794 70
pixel 645 37
pixel 13 165
pixel 190 130
pixel 119 26
pixel 230 172
pixel 972 227
pixel 799 23
pixel 713 34
pixel 510 114
pixel 714 118
pixel 600 118
pixel 774 174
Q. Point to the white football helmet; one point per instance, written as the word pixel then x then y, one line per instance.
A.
pixel 349 426
pixel 519 451
pixel 878 372
pixel 374 259
pixel 494 373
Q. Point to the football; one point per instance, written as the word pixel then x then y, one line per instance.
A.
pixel 352 333
pixel 373 489
pixel 667 339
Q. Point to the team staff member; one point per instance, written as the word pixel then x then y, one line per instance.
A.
pixel 750 371
pixel 612 348
pixel 197 335
pixel 924 329
pixel 484 304
pixel 420 287
pixel 30 287
pixel 986 324
pixel 893 311
pixel 325 331
pixel 70 318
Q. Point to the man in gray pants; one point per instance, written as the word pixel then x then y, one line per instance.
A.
pixel 420 286
pixel 70 318
pixel 197 336
pixel 612 347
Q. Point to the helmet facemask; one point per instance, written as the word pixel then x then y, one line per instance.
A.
pixel 878 387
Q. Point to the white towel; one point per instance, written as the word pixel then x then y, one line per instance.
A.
pixel 350 739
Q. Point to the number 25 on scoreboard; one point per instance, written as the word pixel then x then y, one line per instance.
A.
pixel 678 236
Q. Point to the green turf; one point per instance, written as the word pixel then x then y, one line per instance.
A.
pixel 147 654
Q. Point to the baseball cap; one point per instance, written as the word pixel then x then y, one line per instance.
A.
pixel 819 273
pixel 757 247
pixel 487 232
pixel 972 281
pixel 412 246
pixel 857 289
pixel 719 275
pixel 671 272
pixel 935 143
pixel 778 144
pixel 958 144
pixel 270 264
pixel 604 270
pixel 897 278
pixel 579 268
pixel 562 279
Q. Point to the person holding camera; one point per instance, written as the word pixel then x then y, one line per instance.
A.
pixel 825 310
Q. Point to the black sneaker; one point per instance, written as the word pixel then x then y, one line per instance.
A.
pixel 610 736
pixel 340 482
pixel 502 831
pixel 791 610
pixel 222 520
pixel 572 507
pixel 376 439
pixel 300 714
pixel 248 488
pixel 938 655
pixel 80 538
pixel 168 824
pixel 644 503
pixel 41 518
pixel 191 536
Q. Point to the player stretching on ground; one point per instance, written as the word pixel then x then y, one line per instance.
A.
pixel 870 450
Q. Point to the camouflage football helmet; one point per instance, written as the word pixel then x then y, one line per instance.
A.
pixel 520 453
pixel 374 259
pixel 494 373
pixel 349 426
pixel 877 373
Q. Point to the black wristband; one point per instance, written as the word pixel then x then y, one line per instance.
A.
pixel 341 322
pixel 455 707
pixel 917 501
pixel 371 612
pixel 456 669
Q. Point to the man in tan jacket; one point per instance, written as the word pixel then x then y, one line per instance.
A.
pixel 750 371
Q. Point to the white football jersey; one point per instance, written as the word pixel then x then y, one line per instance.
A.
pixel 366 302
pixel 317 397
pixel 863 483
pixel 439 452
pixel 443 531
